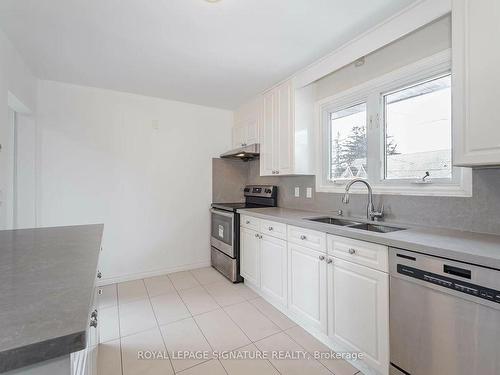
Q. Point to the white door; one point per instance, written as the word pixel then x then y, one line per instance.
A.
pixel 250 256
pixel 284 143
pixel 268 139
pixel 273 269
pixel 307 286
pixel 358 311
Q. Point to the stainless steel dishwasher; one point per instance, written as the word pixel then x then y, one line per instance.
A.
pixel 444 316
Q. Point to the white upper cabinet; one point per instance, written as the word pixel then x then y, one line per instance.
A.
pixel 476 82
pixel 246 124
pixel 286 130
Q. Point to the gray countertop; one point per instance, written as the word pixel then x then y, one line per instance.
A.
pixel 47 281
pixel 476 248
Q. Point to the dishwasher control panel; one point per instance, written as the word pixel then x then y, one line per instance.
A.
pixel 446 282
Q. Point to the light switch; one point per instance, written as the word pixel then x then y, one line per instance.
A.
pixel 309 192
pixel 297 191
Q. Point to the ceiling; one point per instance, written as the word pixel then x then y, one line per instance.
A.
pixel 215 54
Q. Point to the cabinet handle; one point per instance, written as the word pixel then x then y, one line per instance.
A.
pixel 261 236
pixel 256 235
pixel 302 237
pixel 270 228
pixel 99 274
pixel 352 251
pixel 329 260
pixel 248 221
pixel 321 257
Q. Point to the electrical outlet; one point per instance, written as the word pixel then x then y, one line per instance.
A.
pixel 309 192
pixel 297 192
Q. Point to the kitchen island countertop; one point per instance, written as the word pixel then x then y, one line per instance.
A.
pixel 47 281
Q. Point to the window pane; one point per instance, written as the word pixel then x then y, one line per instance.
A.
pixel 418 131
pixel 348 143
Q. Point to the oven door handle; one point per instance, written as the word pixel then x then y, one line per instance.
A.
pixel 222 213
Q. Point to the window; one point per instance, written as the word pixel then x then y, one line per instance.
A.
pixel 348 143
pixel 394 131
pixel 418 131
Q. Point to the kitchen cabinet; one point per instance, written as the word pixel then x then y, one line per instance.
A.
pixel 250 256
pixel 307 282
pixel 263 255
pixel 358 311
pixel 246 124
pixel 273 276
pixel 368 254
pixel 84 362
pixel 476 83
pixel 287 130
pixel 246 133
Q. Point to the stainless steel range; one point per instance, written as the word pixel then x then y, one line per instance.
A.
pixel 225 233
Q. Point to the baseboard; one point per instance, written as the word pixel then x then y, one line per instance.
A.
pixel 158 272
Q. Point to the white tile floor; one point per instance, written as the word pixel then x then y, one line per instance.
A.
pixel 199 311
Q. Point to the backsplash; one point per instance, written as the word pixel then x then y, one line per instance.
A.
pixel 479 213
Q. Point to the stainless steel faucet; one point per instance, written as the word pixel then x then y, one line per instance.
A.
pixel 371 214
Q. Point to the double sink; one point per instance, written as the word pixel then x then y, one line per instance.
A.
pixel 356 225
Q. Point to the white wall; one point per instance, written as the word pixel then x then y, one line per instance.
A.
pixel 140 165
pixel 16 79
pixel 26 149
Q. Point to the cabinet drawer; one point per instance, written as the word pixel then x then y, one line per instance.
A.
pixel 274 229
pixel 250 222
pixel 306 237
pixel 360 252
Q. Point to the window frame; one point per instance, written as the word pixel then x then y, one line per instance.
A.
pixel 372 92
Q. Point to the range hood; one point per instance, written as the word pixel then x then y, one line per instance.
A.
pixel 243 153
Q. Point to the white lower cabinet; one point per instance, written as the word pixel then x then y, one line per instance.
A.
pixel 250 256
pixel 335 287
pixel 307 296
pixel 358 311
pixel 273 269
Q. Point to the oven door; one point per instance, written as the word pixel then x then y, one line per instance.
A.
pixel 222 235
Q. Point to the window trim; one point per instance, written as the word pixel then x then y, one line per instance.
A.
pixel 371 92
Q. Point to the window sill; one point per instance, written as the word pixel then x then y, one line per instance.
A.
pixel 430 190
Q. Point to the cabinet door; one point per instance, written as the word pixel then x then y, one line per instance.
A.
pixel 250 256
pixel 268 139
pixel 252 131
pixel 476 83
pixel 284 143
pixel 307 286
pixel 358 311
pixel 239 135
pixel 273 276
